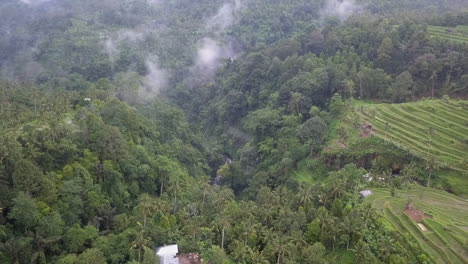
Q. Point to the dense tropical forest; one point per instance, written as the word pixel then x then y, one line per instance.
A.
pixel 241 130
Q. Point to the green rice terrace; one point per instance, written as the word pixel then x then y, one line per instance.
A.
pixel 437 220
pixel 458 34
pixel 432 130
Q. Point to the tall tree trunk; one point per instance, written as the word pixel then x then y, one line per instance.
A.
pixel 360 87
pixel 433 85
pixel 222 238
pixel 203 202
pixel 139 254
pixel 429 180
pixel 161 190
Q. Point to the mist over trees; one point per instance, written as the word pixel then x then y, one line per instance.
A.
pixel 127 125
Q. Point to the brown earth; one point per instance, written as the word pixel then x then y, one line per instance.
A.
pixel 415 214
pixel 190 258
pixel 366 130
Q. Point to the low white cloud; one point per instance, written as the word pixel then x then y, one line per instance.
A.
pixel 154 81
pixel 112 43
pixel 33 2
pixel 339 8
pixel 225 17
pixel 216 48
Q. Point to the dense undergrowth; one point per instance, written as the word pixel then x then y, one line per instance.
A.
pixel 117 117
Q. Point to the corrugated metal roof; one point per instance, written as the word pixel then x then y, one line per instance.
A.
pixel 168 254
pixel 167 250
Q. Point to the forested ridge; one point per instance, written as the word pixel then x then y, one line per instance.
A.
pixel 225 127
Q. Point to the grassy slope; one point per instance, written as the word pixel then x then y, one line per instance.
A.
pixel 459 34
pixel 408 127
pixel 446 241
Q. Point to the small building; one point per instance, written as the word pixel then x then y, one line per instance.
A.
pixel 168 254
pixel 87 99
pixel 365 193
pixel 367 177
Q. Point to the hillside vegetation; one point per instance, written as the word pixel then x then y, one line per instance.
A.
pixel 227 127
pixel 457 34
pixel 446 238
pixel 433 129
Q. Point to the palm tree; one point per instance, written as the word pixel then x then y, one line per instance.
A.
pixel 140 241
pixel 369 211
pixel 323 215
pixel 433 77
pixel 351 225
pixel 304 195
pixel 105 216
pixel 148 205
pixel 176 188
pixel 205 187
pixel 247 227
pixel 361 251
pixel 278 246
pixel 240 252
pixel 224 222
pixel 255 256
pixel 431 163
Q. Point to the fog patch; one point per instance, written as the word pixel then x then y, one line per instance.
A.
pixel 339 8
pixel 210 56
pixel 154 81
pixel 216 48
pixel 112 43
pixel 225 17
pixel 153 2
pixel 33 2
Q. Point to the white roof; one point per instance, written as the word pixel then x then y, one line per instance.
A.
pixel 365 193
pixel 167 250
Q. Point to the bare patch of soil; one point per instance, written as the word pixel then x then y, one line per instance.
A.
pixel 366 130
pixel 415 214
pixel 190 258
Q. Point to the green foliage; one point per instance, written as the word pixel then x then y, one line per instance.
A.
pixel 77 238
pixel 445 211
pixel 313 231
pixel 456 34
pixel 408 126
pixel 216 255
pixel 24 211
pixel 98 168
pixel 27 177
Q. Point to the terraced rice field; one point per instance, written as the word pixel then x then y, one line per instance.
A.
pixel 446 240
pixel 458 34
pixel 431 129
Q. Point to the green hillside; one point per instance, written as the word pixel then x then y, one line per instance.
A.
pixel 432 129
pixel 457 34
pixel 446 237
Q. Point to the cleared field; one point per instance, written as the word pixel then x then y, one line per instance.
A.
pixel 457 34
pixel 446 239
pixel 431 129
